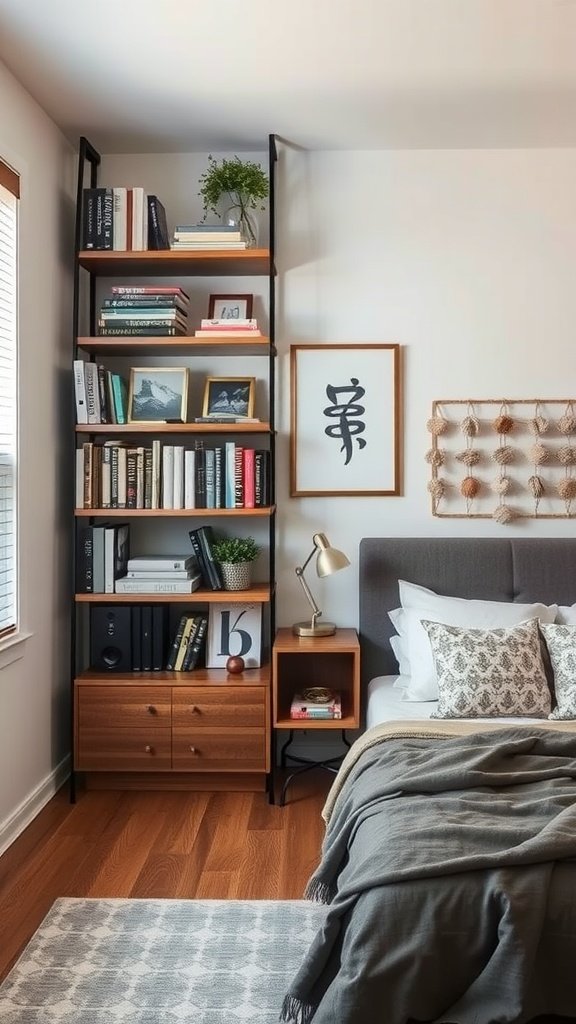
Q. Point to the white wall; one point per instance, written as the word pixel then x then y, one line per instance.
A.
pixel 466 259
pixel 34 689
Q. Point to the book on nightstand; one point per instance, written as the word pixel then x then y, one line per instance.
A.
pixel 303 709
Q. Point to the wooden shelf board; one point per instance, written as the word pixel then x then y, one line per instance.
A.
pixel 132 345
pixel 342 641
pixel 155 513
pixel 349 722
pixel 171 263
pixel 198 677
pixel 258 594
pixel 173 428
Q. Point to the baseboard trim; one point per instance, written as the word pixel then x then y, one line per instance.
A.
pixel 15 824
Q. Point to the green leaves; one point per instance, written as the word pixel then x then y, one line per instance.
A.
pixel 242 180
pixel 235 549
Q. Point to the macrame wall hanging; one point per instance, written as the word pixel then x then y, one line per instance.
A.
pixel 503 460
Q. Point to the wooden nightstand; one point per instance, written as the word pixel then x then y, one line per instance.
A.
pixel 299 662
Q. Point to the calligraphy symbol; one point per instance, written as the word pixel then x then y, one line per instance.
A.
pixel 346 427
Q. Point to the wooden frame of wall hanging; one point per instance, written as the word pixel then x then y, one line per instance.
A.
pixel 503 459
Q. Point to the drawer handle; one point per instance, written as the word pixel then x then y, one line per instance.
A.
pixel 149 749
pixel 150 709
pixel 194 709
pixel 193 750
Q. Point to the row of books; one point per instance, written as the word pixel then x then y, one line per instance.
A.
pixel 303 709
pixel 188 643
pixel 102 554
pixel 191 237
pixel 118 474
pixel 123 219
pixel 141 311
pixel 101 396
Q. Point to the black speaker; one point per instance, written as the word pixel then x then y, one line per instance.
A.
pixel 111 638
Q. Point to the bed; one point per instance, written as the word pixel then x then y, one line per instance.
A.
pixel 449 861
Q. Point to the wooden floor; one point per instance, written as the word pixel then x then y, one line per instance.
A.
pixel 163 845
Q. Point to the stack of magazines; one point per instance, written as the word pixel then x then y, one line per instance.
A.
pixel 301 708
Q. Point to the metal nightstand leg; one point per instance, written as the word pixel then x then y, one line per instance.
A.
pixel 331 764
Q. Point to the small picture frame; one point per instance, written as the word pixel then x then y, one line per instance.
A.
pixel 234 629
pixel 158 394
pixel 229 396
pixel 230 307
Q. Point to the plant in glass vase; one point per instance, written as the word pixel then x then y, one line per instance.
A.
pixel 231 189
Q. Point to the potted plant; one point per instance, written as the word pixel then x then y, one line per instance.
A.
pixel 235 556
pixel 242 185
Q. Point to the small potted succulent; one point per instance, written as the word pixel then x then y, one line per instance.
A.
pixel 231 189
pixel 235 556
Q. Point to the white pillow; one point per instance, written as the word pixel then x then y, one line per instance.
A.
pixel 561 643
pixel 420 603
pixel 397 645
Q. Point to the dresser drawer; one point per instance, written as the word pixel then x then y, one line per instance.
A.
pixel 205 707
pixel 219 749
pixel 101 707
pixel 124 749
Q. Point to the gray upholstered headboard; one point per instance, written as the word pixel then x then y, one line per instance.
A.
pixel 495 569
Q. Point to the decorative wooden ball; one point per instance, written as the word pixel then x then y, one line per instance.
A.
pixel 235 665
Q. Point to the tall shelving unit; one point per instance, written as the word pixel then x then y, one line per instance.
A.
pixel 203 729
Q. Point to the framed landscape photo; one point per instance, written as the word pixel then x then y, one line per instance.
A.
pixel 234 629
pixel 230 307
pixel 345 420
pixel 229 396
pixel 158 394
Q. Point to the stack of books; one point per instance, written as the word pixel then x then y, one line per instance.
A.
pixel 151 310
pixel 246 327
pixel 302 709
pixel 206 236
pixel 102 554
pixel 187 644
pixel 160 574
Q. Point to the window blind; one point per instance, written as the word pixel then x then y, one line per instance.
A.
pixel 9 190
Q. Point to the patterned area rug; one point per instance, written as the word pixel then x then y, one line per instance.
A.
pixel 160 962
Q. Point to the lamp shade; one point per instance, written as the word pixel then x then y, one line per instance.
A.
pixel 329 559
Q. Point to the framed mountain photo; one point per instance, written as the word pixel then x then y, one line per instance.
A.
pixel 158 394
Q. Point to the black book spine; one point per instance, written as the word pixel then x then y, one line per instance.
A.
pixel 146 646
pixel 206 538
pixel 104 218
pixel 198 551
pixel 195 648
pixel 136 626
pixel 157 228
pixel 89 218
pixel 200 475
pixel 175 646
pixel 84 560
pixel 158 636
pixel 103 394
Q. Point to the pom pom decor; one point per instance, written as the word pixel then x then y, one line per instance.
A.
pixel 538 454
pixel 503 424
pixel 567 423
pixel 470 457
pixel 504 455
pixel 538 425
pixel 469 487
pixel 567 489
pixel 503 514
pixel 435 456
pixel 536 486
pixel 470 426
pixel 502 485
pixel 436 488
pixel 566 455
pixel 436 425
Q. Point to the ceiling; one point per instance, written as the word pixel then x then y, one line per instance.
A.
pixel 180 75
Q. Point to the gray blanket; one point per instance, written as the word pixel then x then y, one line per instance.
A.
pixel 448 867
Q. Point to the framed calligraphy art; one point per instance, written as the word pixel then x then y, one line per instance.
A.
pixel 345 405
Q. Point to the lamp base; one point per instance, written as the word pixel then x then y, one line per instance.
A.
pixel 320 629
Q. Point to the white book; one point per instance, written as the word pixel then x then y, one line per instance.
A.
pixel 178 492
pixel 159 563
pixel 92 392
pixel 119 224
pixel 160 574
pixel 124 585
pixel 139 219
pixel 190 478
pixel 156 473
pixel 79 478
pixel 168 476
pixel 80 392
pixel 122 476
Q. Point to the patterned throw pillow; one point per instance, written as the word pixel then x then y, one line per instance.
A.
pixel 484 673
pixel 561 644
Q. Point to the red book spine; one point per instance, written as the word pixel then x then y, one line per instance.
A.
pixel 249 479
